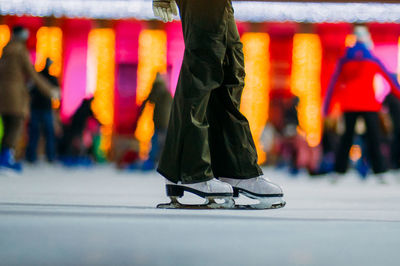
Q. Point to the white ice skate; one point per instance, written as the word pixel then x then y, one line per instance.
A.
pixel 269 195
pixel 210 190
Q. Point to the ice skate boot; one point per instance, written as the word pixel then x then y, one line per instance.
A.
pixel 8 164
pixel 210 190
pixel 269 195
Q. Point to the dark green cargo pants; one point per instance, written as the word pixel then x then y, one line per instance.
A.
pixel 207 135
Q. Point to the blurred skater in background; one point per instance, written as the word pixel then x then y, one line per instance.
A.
pixel 353 85
pixel 329 143
pixel 76 144
pixel 294 148
pixel 162 100
pixel 393 105
pixel 41 119
pixel 15 69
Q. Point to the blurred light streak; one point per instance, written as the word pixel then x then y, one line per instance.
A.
pixel 101 47
pixel 175 51
pixel 145 130
pixel 254 11
pixel 152 59
pixel 255 98
pixel 306 84
pixel 74 65
pixel 5 36
pixel 49 44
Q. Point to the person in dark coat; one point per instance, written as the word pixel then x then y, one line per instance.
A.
pixel 162 100
pixel 41 119
pixel 209 146
pixel 15 69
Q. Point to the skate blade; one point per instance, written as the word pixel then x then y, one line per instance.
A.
pixel 210 203
pixel 263 202
pixel 261 206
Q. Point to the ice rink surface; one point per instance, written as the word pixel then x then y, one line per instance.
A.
pixel 52 215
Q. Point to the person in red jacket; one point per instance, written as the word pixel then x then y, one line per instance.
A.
pixel 352 85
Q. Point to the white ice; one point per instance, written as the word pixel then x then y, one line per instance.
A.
pixel 51 215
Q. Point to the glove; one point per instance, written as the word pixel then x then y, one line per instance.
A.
pixel 165 9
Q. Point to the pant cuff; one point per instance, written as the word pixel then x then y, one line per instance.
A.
pixel 185 180
pixel 243 176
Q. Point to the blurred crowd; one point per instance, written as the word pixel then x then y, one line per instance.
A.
pixel 366 132
pixel 365 135
pixel 29 105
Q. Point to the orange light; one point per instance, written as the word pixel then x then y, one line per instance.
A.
pixel 355 153
pixel 255 98
pixel 306 84
pixel 351 40
pixel 49 45
pixel 145 130
pixel 4 37
pixel 55 104
pixel 101 48
pixel 152 59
